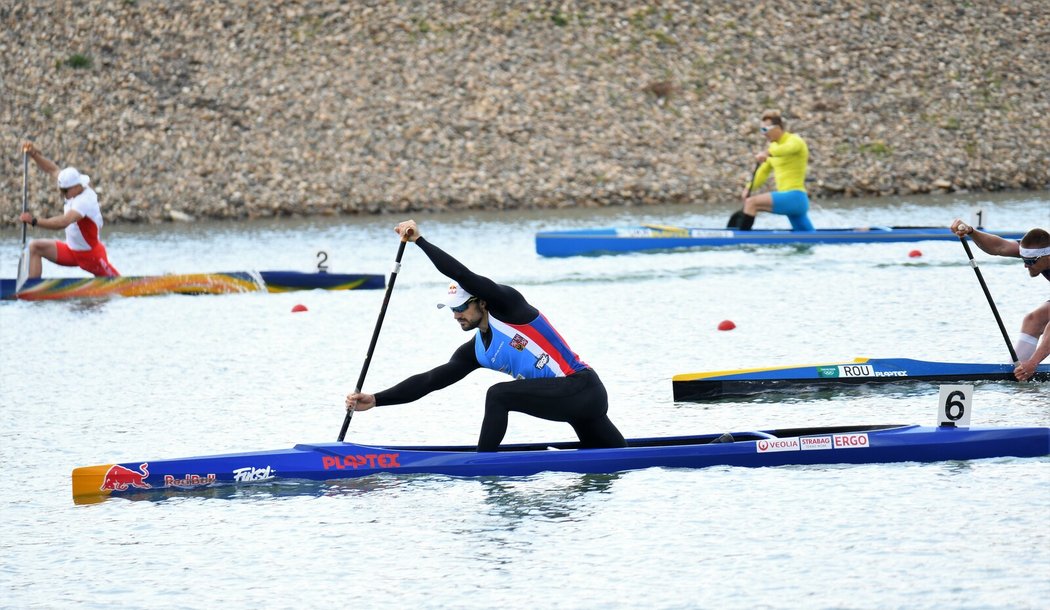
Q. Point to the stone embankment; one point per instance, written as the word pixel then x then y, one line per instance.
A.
pixel 184 109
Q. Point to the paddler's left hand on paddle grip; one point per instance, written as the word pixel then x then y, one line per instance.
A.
pixel 407 230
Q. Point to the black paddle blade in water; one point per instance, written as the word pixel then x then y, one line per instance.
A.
pixel 736 221
pixel 741 221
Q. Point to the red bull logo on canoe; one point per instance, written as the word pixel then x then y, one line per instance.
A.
pixel 353 462
pixel 190 480
pixel 119 478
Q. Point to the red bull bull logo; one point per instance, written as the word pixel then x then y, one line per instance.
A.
pixel 119 478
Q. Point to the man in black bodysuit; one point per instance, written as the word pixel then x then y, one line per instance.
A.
pixel 550 380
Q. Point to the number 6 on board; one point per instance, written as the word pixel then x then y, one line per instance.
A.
pixel 953 408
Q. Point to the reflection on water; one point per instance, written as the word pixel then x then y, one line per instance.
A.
pixel 956 468
pixel 269 490
pixel 72 306
pixel 800 393
pixel 553 497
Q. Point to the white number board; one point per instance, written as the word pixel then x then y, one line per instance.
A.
pixel 954 405
pixel 978 218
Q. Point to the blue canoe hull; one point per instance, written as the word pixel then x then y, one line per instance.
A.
pixel 323 461
pixel 655 237
pixel 189 283
pixel 861 371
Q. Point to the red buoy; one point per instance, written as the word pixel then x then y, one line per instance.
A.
pixel 726 325
pixel 299 307
pixel 915 253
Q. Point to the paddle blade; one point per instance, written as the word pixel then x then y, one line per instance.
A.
pixel 23 269
pixel 736 221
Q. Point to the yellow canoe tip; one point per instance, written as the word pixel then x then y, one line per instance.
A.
pixel 104 479
pixel 88 482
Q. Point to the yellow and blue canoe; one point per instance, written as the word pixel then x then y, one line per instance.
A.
pixel 860 371
pixel 661 237
pixel 41 289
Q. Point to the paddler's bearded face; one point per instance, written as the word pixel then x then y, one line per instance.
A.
pixel 1038 266
pixel 471 317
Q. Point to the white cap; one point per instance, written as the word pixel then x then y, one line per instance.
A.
pixel 1034 252
pixel 456 296
pixel 70 177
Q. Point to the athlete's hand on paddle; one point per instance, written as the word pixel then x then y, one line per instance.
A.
pixel 26 217
pixel 1025 370
pixel 960 228
pixel 359 401
pixel 407 230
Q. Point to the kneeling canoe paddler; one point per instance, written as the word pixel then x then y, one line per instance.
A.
pixel 1034 252
pixel 550 381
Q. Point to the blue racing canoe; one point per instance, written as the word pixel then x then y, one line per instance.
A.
pixel 659 237
pixel 861 371
pixel 335 460
pixel 187 283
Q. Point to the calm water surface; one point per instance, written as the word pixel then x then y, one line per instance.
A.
pixel 128 379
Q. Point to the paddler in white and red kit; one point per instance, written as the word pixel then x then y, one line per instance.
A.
pixel 81 218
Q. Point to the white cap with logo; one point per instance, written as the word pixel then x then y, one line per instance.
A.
pixel 456 296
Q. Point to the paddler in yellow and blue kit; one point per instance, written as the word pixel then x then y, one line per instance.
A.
pixel 786 157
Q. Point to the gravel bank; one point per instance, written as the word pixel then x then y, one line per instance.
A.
pixel 188 109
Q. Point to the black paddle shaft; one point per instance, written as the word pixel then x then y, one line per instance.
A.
pixel 751 184
pixel 988 295
pixel 25 192
pixel 375 336
pixel 736 220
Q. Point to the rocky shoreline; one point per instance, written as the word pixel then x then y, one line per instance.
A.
pixel 188 109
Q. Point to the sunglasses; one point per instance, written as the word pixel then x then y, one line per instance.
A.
pixel 766 128
pixel 1028 262
pixel 464 306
